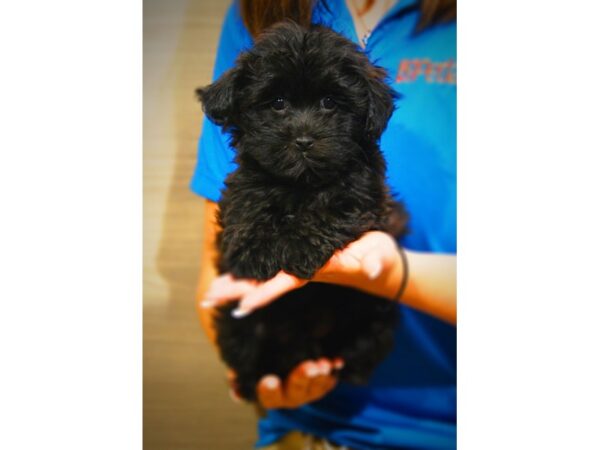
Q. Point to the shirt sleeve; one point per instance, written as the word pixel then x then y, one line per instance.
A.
pixel 215 155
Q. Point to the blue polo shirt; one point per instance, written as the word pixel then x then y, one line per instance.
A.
pixel 410 401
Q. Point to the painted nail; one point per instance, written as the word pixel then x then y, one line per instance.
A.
pixel 271 382
pixel 239 313
pixel 338 364
pixel 312 371
pixel 375 271
pixel 324 369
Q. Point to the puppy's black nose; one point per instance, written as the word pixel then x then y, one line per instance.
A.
pixel 304 142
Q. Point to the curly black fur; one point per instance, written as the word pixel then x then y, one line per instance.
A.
pixel 305 109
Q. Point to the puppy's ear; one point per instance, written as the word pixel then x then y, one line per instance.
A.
pixel 218 98
pixel 381 102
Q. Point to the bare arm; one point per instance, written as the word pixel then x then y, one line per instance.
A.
pixel 208 271
pixel 432 284
pixel 372 264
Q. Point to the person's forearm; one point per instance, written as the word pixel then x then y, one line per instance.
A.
pixel 432 284
pixel 372 264
pixel 207 275
pixel 208 271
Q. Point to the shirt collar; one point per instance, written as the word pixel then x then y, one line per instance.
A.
pixel 335 14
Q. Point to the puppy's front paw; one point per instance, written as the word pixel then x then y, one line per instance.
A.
pixel 303 260
pixel 255 260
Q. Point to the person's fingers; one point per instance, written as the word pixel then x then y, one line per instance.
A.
pixel 328 385
pixel 342 261
pixel 218 283
pixel 230 376
pixel 270 392
pixel 233 387
pixel 317 386
pixel 372 263
pixel 370 241
pixel 226 285
pixel 349 258
pixel 266 292
pixel 234 396
pixel 338 363
pixel 377 253
pixel 226 288
pixel 325 366
pixel 296 386
pixel 309 381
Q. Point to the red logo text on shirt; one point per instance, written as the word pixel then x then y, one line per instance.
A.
pixel 409 70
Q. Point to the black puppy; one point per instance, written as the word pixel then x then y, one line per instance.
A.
pixel 305 109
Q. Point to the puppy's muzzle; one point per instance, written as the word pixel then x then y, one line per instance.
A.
pixel 304 143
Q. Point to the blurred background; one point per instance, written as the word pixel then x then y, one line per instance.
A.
pixel 186 405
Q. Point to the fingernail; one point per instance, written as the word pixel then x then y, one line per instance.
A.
pixel 207 303
pixel 239 313
pixel 271 382
pixel 375 271
pixel 312 371
pixel 338 364
pixel 324 369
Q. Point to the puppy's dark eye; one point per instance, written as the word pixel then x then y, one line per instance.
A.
pixel 278 104
pixel 328 103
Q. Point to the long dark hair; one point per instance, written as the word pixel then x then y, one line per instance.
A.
pixel 261 14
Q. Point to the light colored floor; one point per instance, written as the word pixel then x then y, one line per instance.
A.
pixel 186 405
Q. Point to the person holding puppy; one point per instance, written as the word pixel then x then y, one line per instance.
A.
pixel 411 399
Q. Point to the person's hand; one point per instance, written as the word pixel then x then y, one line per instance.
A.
pixel 307 382
pixel 372 263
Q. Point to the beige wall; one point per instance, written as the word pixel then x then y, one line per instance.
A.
pixel 186 405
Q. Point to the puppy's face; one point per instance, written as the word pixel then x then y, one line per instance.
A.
pixel 303 104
